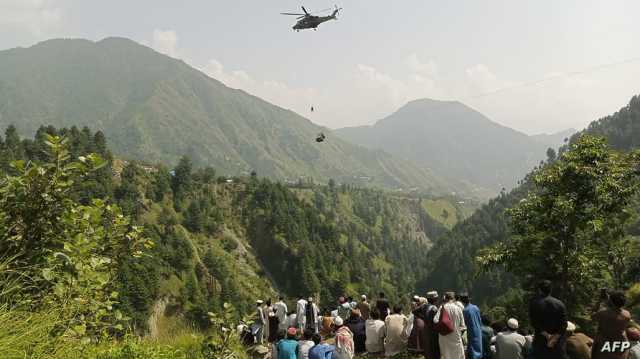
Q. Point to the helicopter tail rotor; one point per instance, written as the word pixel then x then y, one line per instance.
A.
pixel 335 12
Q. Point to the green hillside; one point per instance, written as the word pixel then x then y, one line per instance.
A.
pixel 237 240
pixel 155 108
pixel 447 211
pixel 209 240
pixel 456 141
pixel 490 224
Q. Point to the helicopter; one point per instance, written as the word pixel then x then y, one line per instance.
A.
pixel 310 21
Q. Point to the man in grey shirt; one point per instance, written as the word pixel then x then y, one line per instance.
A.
pixel 510 344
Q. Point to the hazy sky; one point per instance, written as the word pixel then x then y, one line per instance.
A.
pixel 380 54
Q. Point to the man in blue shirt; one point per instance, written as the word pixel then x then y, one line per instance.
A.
pixel 473 322
pixel 288 348
pixel 321 351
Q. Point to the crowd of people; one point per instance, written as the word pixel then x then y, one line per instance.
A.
pixel 447 327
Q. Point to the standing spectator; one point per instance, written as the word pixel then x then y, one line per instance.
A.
pixel 352 303
pixel 261 320
pixel 268 311
pixel 301 313
pixel 633 335
pixel 612 325
pixel 528 346
pixel 321 351
pixel 509 343
pixel 451 346
pixel 344 340
pixel 305 344
pixel 375 330
pixel 578 345
pixel 344 308
pixel 487 334
pixel 274 347
pixel 395 339
pixel 273 321
pixel 311 313
pixel 364 307
pixel 548 317
pixel 431 345
pixel 382 305
pixel 417 335
pixel 326 323
pixel 357 326
pixel 288 348
pixel 281 314
pixel 473 322
pixel 292 320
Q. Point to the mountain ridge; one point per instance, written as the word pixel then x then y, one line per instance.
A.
pixel 155 108
pixel 456 140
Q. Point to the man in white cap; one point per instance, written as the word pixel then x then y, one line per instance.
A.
pixel 364 307
pixel 510 344
pixel 345 348
pixel 260 322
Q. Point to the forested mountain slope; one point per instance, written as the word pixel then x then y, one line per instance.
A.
pixel 450 138
pixel 622 129
pixel 490 225
pixel 155 108
pixel 235 240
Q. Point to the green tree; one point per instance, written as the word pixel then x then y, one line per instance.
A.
pixel 67 253
pixel 551 154
pixel 570 228
pixel 194 217
pixel 127 193
pixel 182 180
pixel 13 148
pixel 160 184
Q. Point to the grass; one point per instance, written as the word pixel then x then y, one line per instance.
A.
pixel 25 334
pixel 38 334
pixel 184 346
pixel 442 211
pixel 32 335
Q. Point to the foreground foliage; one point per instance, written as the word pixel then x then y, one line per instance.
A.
pixel 490 226
pixel 570 228
pixel 60 251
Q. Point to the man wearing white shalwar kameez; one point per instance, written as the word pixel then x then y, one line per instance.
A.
pixel 281 314
pixel 395 340
pixel 301 313
pixel 260 323
pixel 451 346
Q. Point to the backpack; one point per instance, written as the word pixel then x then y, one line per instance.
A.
pixel 444 325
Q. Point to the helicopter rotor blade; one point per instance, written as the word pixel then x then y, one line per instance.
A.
pixel 291 13
pixel 323 10
pixel 305 10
